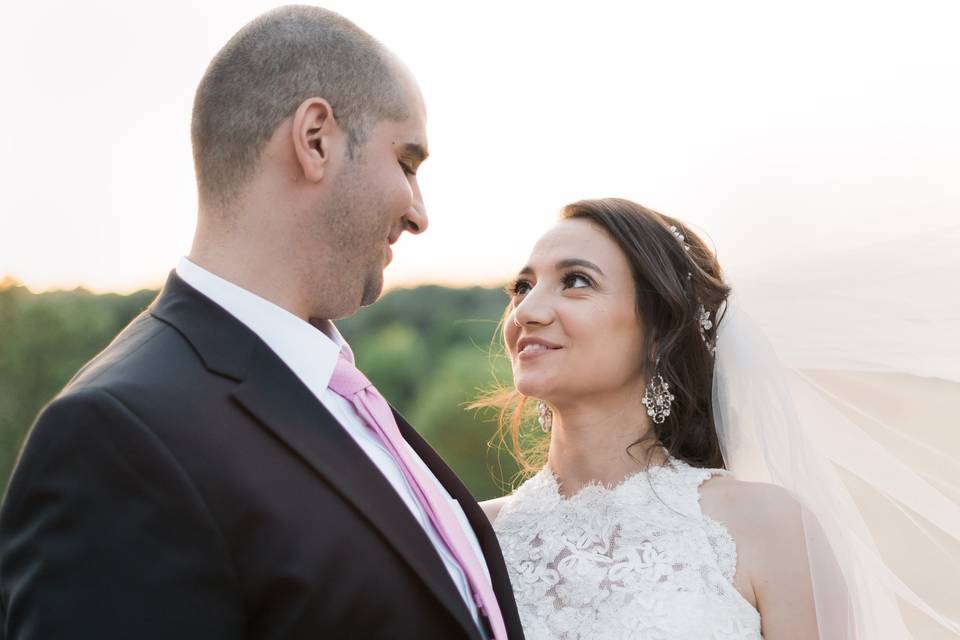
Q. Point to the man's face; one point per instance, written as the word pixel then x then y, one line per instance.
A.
pixel 377 198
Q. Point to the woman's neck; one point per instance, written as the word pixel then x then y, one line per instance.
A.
pixel 591 443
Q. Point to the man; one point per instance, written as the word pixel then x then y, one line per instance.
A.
pixel 209 475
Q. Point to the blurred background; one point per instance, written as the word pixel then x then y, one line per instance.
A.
pixel 429 350
pixel 816 145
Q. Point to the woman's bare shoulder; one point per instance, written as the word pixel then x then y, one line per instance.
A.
pixel 492 507
pixel 766 524
pixel 763 519
pixel 773 568
pixel 760 505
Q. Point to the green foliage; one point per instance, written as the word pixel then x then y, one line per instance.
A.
pixel 45 339
pixel 430 351
pixel 427 349
pixel 460 375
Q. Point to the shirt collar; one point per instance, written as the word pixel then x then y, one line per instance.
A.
pixel 309 350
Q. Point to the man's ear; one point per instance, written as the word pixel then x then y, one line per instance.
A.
pixel 316 136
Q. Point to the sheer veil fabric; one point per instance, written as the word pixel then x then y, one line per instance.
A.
pixel 850 405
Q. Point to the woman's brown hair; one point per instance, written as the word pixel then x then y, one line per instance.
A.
pixel 675 280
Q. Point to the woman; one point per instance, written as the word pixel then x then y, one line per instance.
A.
pixel 651 386
pixel 633 528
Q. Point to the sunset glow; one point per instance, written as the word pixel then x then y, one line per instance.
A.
pixel 773 127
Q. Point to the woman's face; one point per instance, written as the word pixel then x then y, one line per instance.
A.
pixel 572 331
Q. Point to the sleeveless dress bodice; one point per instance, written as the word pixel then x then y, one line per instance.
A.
pixel 638 561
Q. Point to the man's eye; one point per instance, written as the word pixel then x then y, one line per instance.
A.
pixel 407 170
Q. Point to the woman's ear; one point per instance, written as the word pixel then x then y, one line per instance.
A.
pixel 651 354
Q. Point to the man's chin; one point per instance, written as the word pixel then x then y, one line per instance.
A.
pixel 372 289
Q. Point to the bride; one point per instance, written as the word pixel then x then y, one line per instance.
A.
pixel 620 326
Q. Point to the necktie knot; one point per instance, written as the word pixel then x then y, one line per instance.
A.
pixel 347 380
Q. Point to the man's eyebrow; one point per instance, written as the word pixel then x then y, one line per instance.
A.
pixel 414 151
pixel 566 264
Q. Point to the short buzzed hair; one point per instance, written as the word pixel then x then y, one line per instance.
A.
pixel 267 70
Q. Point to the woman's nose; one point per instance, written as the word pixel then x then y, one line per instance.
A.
pixel 534 309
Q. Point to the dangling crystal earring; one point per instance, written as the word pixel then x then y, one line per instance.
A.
pixel 544 416
pixel 657 397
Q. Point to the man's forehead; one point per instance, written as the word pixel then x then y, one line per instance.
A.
pixel 406 136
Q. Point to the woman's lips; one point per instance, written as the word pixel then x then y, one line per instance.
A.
pixel 534 350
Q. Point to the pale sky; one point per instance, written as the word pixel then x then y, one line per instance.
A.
pixel 778 128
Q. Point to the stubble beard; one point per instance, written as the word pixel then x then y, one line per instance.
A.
pixel 372 288
pixel 353 220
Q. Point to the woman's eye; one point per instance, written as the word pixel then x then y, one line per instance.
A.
pixel 518 288
pixel 407 170
pixel 576 281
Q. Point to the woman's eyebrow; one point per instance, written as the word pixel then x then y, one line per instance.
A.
pixel 579 262
pixel 566 264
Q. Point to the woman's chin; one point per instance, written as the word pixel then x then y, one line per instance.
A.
pixel 533 388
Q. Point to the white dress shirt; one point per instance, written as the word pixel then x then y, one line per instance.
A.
pixel 311 354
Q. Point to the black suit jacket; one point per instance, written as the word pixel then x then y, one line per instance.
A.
pixel 185 484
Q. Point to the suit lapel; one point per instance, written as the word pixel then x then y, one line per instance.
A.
pixel 477 519
pixel 273 394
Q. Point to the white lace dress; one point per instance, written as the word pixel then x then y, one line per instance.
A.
pixel 638 561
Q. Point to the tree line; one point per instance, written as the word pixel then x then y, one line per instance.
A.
pixel 430 350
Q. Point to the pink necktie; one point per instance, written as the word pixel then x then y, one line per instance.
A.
pixel 350 383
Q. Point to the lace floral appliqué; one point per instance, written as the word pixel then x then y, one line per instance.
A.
pixel 639 561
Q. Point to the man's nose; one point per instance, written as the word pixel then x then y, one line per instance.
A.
pixel 415 221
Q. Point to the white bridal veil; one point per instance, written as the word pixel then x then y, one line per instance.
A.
pixel 841 383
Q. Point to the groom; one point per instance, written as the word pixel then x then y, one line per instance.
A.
pixel 222 470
